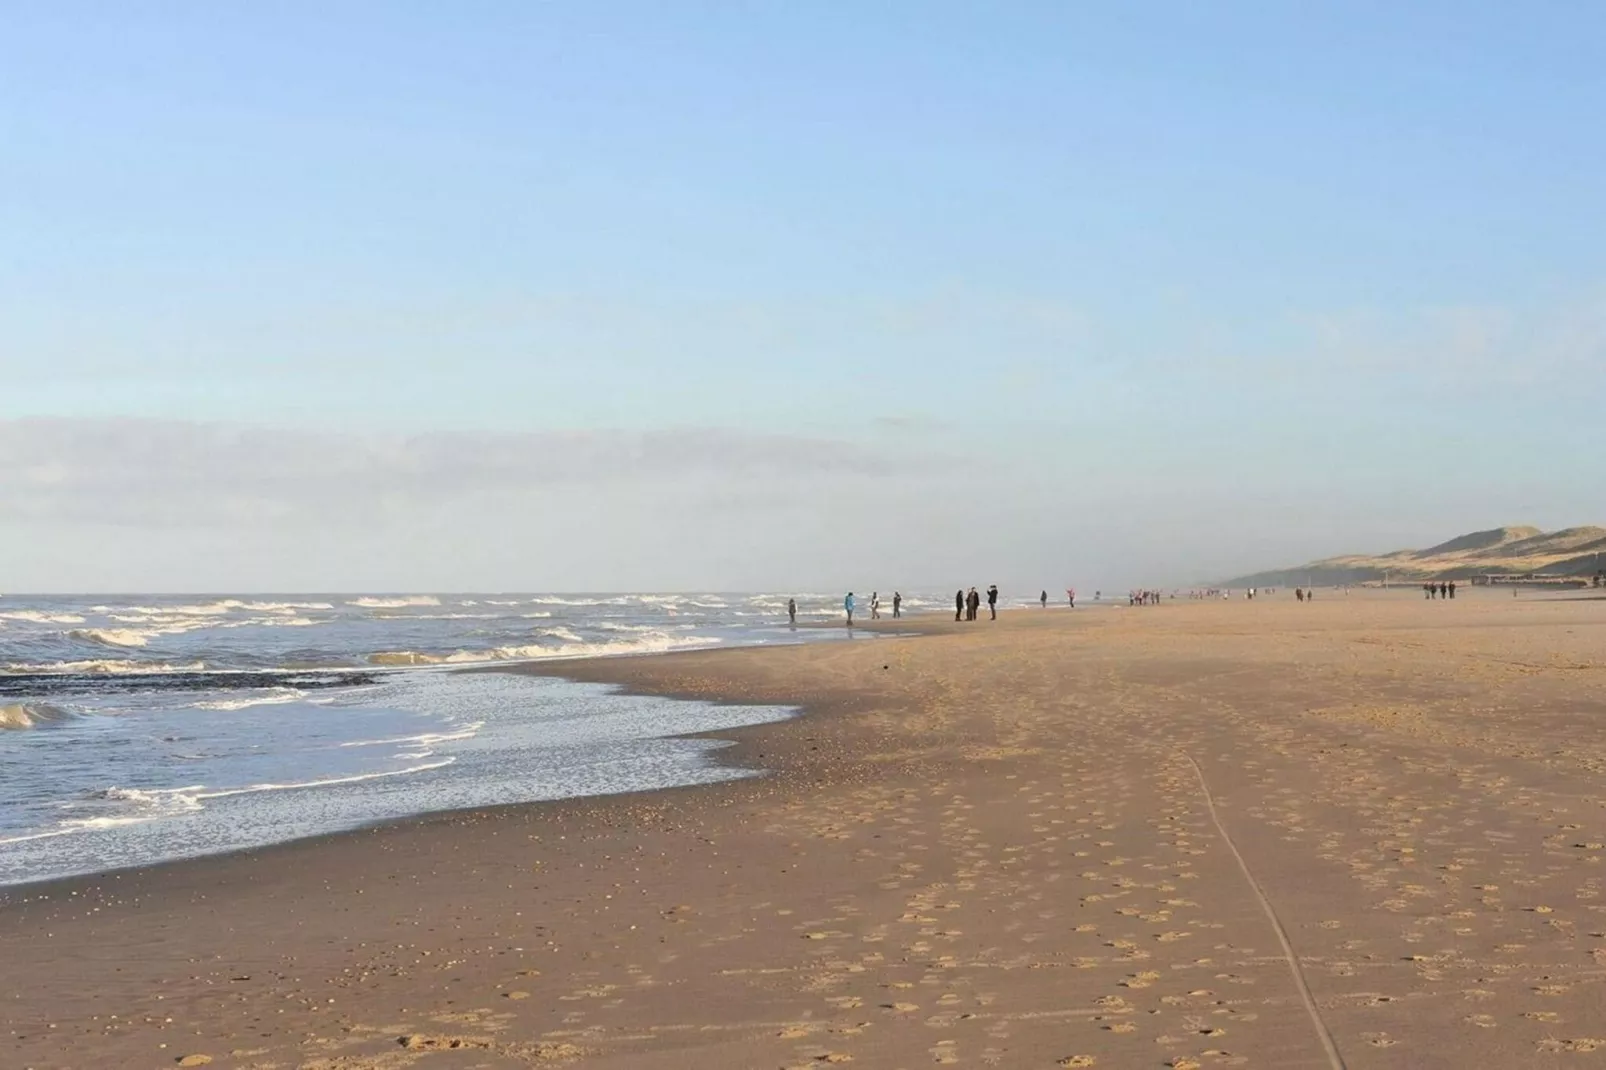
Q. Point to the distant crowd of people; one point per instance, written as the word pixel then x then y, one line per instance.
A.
pixel 968 601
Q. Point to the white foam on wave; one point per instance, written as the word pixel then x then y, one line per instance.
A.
pixel 108 667
pixel 427 739
pixel 656 643
pixel 38 836
pixel 444 616
pixel 555 600
pixel 152 804
pixel 562 633
pixel 37 616
pixel 221 608
pixel 401 602
pixel 274 622
pixel 30 716
pixel 114 636
pixel 273 696
pixel 353 779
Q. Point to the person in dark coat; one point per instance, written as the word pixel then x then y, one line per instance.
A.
pixel 959 604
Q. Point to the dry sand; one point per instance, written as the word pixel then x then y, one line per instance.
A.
pixel 1366 832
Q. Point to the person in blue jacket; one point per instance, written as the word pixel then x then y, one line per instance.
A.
pixel 847 604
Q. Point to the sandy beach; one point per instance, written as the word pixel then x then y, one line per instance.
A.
pixel 1364 832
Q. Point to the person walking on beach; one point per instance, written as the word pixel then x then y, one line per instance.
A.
pixel 897 604
pixel 791 611
pixel 847 604
pixel 992 600
pixel 875 605
pixel 972 604
pixel 1452 588
pixel 959 604
pixel 1070 597
pixel 1043 598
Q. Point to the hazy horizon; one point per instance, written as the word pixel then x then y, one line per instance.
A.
pixel 624 298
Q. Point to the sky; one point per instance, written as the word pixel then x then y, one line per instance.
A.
pixel 618 296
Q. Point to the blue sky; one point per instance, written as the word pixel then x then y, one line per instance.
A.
pixel 1155 290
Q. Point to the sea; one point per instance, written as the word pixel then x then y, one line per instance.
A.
pixel 142 729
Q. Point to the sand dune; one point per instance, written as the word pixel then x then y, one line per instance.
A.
pixel 1579 551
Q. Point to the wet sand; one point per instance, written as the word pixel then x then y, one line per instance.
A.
pixel 1366 832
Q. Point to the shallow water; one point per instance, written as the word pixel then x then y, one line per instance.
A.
pixel 237 722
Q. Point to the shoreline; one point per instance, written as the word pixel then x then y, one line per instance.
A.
pixel 726 755
pixel 715 736
pixel 1015 844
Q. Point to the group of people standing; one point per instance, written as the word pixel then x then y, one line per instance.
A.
pixel 849 604
pixel 968 604
pixel 1439 590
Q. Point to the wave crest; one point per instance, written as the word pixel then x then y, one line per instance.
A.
pixel 657 643
pixel 401 602
pixel 30 716
pixel 112 636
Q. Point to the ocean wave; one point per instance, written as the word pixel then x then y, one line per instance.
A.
pixel 657 643
pixel 36 616
pixel 152 804
pixel 444 616
pixel 274 622
pixel 395 603
pixel 273 696
pixel 544 614
pixel 468 731
pixel 220 608
pixel 562 633
pixel 151 796
pixel 25 837
pixel 556 600
pixel 109 667
pixel 113 636
pixel 30 716
pixel 353 779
